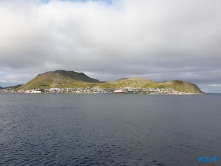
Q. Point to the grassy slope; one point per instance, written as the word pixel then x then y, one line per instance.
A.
pixel 176 85
pixel 128 82
pixel 60 79
pixel 68 79
pixel 144 83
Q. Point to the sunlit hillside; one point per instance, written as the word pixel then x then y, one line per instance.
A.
pixel 71 79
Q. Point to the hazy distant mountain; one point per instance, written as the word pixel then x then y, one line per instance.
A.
pixel 12 87
pixel 0 87
pixel 71 79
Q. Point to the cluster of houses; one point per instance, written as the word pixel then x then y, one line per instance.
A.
pixel 126 90
pixel 9 90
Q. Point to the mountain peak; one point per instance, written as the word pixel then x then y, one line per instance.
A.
pixel 59 78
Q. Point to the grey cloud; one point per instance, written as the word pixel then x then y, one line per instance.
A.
pixel 159 40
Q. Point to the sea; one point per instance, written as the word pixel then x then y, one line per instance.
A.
pixel 110 129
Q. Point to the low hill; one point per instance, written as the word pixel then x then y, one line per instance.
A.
pixel 177 85
pixel 71 79
pixel 126 82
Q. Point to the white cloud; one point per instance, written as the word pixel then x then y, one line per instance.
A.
pixel 216 85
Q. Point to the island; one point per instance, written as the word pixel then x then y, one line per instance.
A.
pixel 61 81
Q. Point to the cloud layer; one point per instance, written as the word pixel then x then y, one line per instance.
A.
pixel 159 40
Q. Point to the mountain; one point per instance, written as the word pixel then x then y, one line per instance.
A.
pixel 0 87
pixel 71 79
pixel 59 78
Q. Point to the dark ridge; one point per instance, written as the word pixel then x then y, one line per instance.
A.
pixel 74 75
pixel 177 81
pixel 122 79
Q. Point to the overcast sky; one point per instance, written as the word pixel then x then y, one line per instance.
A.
pixel 160 40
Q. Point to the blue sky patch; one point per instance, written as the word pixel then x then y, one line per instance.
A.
pixel 105 1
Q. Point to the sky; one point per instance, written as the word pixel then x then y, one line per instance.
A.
pixel 160 40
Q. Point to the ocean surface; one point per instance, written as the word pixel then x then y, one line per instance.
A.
pixel 109 129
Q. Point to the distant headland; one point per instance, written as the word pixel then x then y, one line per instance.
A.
pixel 61 81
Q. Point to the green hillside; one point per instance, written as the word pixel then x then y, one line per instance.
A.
pixel 71 79
pixel 60 78
pixel 126 82
pixel 177 85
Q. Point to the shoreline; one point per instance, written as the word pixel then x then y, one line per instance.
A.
pixel 73 93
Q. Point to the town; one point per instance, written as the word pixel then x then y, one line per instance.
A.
pixel 97 90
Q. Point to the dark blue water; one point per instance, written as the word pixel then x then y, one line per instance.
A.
pixel 109 129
